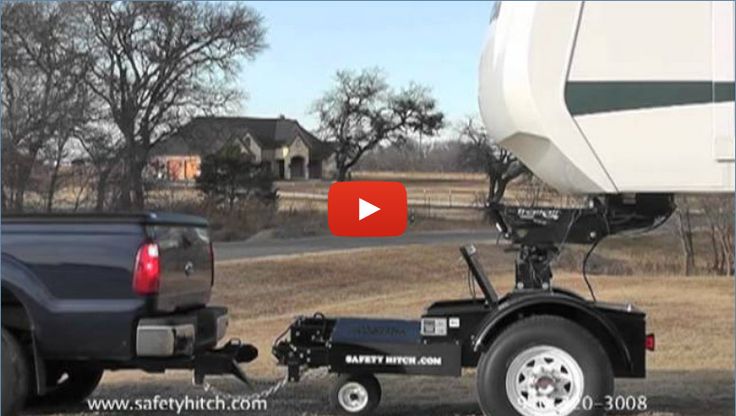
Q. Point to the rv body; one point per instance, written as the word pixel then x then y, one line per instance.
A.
pixel 614 97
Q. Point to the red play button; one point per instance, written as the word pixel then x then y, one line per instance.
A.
pixel 367 209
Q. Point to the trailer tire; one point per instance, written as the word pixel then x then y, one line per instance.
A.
pixel 16 375
pixel 571 370
pixel 355 394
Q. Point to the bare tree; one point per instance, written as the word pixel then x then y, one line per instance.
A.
pixel 438 156
pixel 483 154
pixel 362 111
pixel 79 180
pixel 103 152
pixel 43 97
pixel 685 232
pixel 718 211
pixel 54 155
pixel 157 63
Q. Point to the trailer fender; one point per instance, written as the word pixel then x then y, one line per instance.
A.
pixel 563 304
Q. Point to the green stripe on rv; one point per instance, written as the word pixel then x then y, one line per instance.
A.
pixel 590 97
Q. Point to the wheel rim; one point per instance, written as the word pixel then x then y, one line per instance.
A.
pixel 353 397
pixel 544 381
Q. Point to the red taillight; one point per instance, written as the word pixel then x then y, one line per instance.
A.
pixel 649 342
pixel 147 270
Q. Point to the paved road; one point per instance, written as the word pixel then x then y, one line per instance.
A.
pixel 235 250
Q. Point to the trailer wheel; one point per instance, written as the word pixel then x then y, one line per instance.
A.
pixel 544 365
pixel 356 394
pixel 16 374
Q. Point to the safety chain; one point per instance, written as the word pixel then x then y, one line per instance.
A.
pixel 313 374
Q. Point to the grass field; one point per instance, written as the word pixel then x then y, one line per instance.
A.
pixel 689 374
pixel 690 315
pixel 449 196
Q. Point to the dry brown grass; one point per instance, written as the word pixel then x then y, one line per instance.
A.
pixel 690 374
pixel 437 187
pixel 692 316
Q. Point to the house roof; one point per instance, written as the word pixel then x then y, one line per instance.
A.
pixel 205 135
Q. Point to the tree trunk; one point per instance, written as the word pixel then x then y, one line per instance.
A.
pixel 79 194
pixel 24 175
pixel 126 188
pixel 493 195
pixel 20 193
pixel 24 171
pixel 725 266
pixel 686 238
pixel 714 249
pixel 500 189
pixel 125 202
pixel 133 194
pixel 52 188
pixel 3 199
pixel 342 174
pixel 729 249
pixel 139 197
pixel 102 179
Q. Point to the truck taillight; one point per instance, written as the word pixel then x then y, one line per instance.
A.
pixel 147 270
pixel 649 342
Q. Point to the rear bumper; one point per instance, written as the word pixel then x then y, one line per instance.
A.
pixel 181 335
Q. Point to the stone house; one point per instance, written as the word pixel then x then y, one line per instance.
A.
pixel 291 150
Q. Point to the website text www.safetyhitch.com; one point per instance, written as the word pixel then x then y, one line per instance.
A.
pixel 178 405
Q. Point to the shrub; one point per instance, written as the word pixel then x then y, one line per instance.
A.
pixel 229 176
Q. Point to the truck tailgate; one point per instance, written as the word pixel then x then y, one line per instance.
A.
pixel 186 265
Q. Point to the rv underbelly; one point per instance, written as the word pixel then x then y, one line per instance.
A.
pixel 614 97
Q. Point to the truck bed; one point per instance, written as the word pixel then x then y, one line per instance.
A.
pixel 74 274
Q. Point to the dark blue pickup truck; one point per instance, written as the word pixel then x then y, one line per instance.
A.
pixel 82 294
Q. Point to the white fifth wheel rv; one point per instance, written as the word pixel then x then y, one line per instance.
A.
pixel 626 102
pixel 614 96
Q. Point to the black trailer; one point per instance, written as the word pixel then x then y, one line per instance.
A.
pixel 538 350
pixel 572 336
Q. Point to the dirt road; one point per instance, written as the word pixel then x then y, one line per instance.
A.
pixel 669 393
pixel 235 250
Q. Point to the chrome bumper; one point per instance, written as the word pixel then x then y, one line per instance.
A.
pixel 181 335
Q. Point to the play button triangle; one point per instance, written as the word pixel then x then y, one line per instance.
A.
pixel 366 209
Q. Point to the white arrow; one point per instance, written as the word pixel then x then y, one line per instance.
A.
pixel 366 209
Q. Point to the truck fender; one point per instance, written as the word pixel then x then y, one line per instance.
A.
pixel 28 290
pixel 23 283
pixel 558 303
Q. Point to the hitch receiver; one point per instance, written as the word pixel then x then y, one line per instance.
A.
pixel 224 360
